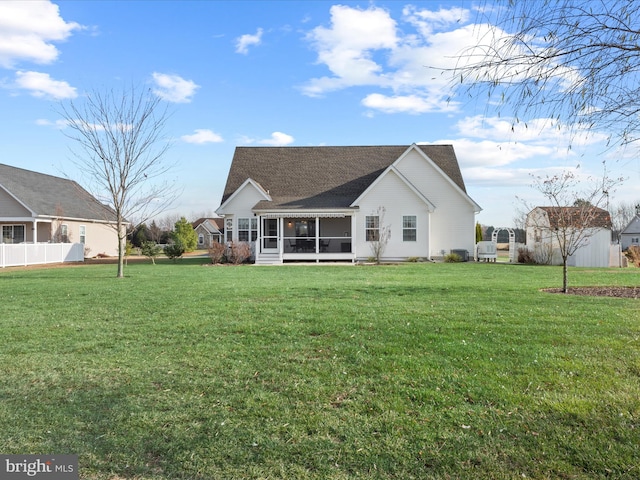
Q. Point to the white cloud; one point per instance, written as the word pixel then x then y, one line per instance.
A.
pixel 27 30
pixel 59 124
pixel 42 85
pixel 407 68
pixel 245 41
pixel 277 139
pixel 413 104
pixel 202 136
pixel 347 47
pixel 174 88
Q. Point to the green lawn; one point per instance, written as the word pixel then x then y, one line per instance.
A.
pixel 180 371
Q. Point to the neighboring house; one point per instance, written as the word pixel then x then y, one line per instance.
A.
pixel 333 203
pixel 543 223
pixel 208 230
pixel 38 208
pixel 630 236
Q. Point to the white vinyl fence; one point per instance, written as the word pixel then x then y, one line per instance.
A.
pixel 21 254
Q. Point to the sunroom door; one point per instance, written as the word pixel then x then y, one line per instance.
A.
pixel 270 235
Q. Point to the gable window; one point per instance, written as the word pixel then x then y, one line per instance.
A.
pixel 83 234
pixel 12 233
pixel 200 239
pixel 372 228
pixel 409 228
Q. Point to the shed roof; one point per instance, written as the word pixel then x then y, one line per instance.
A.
pixel 324 177
pixel 49 196
pixel 577 217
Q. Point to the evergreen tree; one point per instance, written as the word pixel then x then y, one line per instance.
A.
pixel 185 235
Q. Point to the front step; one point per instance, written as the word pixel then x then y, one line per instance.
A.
pixel 268 259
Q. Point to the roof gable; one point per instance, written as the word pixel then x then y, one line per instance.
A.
pixel 633 227
pixel 323 177
pixel 49 196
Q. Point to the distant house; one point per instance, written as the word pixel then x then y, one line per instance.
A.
pixel 335 203
pixel 208 230
pixel 39 208
pixel 630 236
pixel 542 223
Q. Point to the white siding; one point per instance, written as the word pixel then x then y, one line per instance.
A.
pixel 398 200
pixel 240 206
pixel 594 252
pixel 453 221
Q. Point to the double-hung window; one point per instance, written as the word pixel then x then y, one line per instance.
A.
pixel 243 229
pixel 83 234
pixel 247 229
pixel 372 228
pixel 409 228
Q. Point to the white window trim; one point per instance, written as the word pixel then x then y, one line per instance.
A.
pixel 414 229
pixel 375 229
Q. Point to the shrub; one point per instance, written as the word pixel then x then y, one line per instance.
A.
pixel 174 250
pixel 150 250
pixel 526 256
pixel 413 259
pixel 217 252
pixel 452 258
pixel 633 254
pixel 239 253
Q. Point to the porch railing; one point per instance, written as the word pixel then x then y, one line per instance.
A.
pixel 22 254
pixel 323 245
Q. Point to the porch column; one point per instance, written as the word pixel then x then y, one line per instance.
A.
pixel 354 235
pixel 35 231
pixel 280 237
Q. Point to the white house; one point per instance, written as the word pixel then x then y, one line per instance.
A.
pixel 332 203
pixel 588 228
pixel 39 208
pixel 630 236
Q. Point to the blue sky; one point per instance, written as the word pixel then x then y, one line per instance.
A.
pixel 277 73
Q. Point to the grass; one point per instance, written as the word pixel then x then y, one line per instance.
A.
pixel 180 371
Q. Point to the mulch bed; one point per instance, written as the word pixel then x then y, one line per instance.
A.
pixel 619 292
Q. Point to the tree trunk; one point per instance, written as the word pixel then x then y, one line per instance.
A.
pixel 565 280
pixel 121 252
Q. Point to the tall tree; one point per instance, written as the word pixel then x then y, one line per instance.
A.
pixel 120 153
pixel 574 63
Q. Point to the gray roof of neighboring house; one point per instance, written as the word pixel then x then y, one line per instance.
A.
pixel 633 228
pixel 212 225
pixel 323 177
pixel 50 196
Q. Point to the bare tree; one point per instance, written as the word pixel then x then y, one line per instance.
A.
pixel 573 213
pixel 378 234
pixel 120 153
pixel 574 63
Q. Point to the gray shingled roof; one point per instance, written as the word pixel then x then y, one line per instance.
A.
pixel 576 216
pixel 47 195
pixel 323 177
